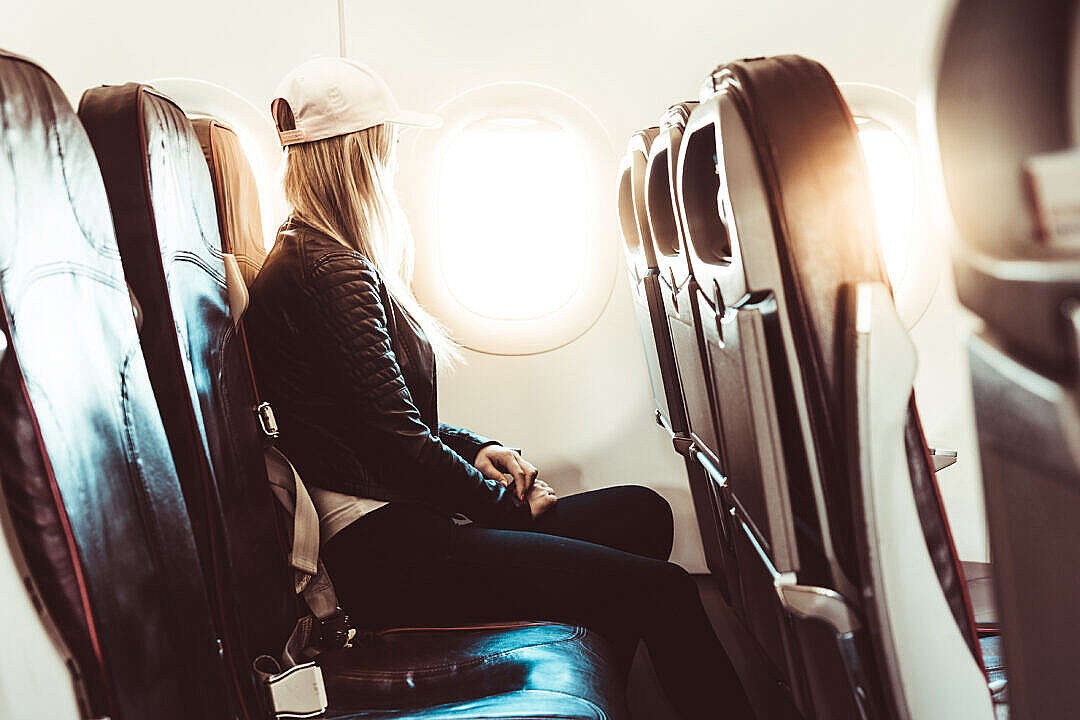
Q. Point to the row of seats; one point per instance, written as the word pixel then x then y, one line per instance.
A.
pixel 781 369
pixel 132 463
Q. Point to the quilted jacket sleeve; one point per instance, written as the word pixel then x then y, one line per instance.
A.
pixel 463 441
pixel 344 289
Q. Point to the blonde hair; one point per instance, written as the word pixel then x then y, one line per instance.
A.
pixel 343 187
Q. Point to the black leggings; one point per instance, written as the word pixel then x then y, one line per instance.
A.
pixel 598 559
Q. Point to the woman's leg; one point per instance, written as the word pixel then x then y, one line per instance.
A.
pixel 631 518
pixel 406 565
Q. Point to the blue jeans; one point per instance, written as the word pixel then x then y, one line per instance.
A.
pixel 598 559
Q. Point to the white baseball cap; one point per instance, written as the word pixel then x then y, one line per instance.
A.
pixel 330 96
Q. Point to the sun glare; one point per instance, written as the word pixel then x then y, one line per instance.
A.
pixel 892 180
pixel 512 217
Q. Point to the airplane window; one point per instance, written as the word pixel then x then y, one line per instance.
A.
pixel 914 254
pixel 512 217
pixel 511 210
pixel 892 181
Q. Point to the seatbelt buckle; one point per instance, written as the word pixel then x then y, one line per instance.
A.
pixel 264 414
pixel 335 631
pixel 299 692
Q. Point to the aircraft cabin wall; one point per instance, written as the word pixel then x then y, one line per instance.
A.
pixel 583 411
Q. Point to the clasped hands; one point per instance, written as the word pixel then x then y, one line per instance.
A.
pixel 507 467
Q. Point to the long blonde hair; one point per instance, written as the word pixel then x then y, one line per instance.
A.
pixel 343 186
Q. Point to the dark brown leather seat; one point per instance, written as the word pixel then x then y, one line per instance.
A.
pixel 85 463
pixel 667 390
pixel 168 227
pixel 679 292
pixel 641 263
pixel 784 247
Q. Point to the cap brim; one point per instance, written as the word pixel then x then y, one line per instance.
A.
pixel 410 118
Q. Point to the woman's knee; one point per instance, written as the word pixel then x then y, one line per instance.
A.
pixel 655 519
pixel 665 588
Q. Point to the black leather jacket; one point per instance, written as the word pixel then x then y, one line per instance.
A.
pixel 351 378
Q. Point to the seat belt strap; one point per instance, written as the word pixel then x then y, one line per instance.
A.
pixel 328 626
pixel 290 491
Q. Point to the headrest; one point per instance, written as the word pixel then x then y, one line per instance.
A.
pixel 633 218
pixel 237 195
pixel 659 176
pixel 1005 120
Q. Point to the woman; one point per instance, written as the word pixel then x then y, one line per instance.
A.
pixel 347 357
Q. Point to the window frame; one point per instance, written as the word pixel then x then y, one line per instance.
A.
pixel 422 171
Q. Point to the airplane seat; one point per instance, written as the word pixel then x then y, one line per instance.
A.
pixel 689 378
pixel 641 265
pixel 1005 120
pixel 665 231
pixel 86 468
pixel 875 598
pixel 645 286
pixel 166 227
pixel 165 208
pixel 759 516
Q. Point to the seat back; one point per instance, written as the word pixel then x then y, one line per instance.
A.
pixel 85 461
pixel 644 286
pixel 799 239
pixel 733 327
pixel 666 233
pixel 166 220
pixel 688 376
pixel 1007 154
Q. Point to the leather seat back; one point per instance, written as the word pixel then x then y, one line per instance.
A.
pixel 762 526
pixel 647 288
pixel 166 220
pixel 1005 124
pixel 687 377
pixel 86 463
pixel 641 263
pixel 797 238
pixel 666 234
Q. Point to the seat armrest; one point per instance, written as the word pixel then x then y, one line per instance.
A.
pixel 980 585
pixel 943 457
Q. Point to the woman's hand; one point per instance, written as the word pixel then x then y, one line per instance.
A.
pixel 506 466
pixel 541 498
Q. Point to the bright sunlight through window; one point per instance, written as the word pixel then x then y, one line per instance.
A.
pixel 512 217
pixel 892 180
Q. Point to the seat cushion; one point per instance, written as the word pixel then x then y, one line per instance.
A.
pixel 508 670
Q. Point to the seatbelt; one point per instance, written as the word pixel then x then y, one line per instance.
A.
pixel 328 627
